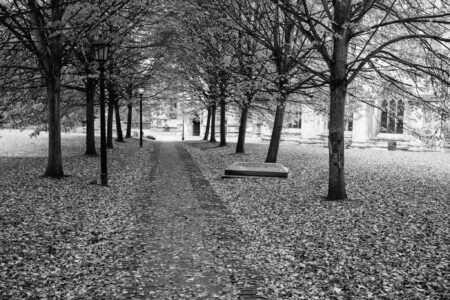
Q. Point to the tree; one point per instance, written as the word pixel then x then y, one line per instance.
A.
pixel 49 31
pixel 112 98
pixel 208 123
pixel 248 78
pixel 197 80
pixel 212 137
pixel 144 45
pixel 350 36
pixel 129 95
pixel 205 41
pixel 196 84
pixel 90 85
pixel 223 85
pixel 39 27
pixel 84 63
pixel 275 30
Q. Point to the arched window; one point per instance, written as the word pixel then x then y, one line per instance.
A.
pixel 392 113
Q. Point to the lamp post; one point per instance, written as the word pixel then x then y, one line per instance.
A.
pixel 101 50
pixel 141 94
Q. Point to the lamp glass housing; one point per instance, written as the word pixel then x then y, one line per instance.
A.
pixel 140 91
pixel 101 50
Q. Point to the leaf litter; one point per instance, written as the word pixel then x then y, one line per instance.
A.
pixel 389 240
pixel 69 238
pixel 73 239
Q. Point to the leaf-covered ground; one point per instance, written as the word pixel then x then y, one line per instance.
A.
pixel 389 240
pixel 68 238
pixel 156 233
pixel 146 236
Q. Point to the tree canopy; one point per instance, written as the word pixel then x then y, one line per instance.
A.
pixel 328 55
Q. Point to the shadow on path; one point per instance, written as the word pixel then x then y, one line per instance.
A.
pixel 223 229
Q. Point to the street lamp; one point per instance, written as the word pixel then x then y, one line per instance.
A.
pixel 141 93
pixel 101 50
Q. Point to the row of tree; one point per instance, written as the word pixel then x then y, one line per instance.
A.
pixel 311 51
pixel 49 69
pixel 220 52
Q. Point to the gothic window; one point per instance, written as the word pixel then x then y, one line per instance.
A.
pixel 392 113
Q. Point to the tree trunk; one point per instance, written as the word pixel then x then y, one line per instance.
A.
pixel 208 123
pixel 118 124
pixel 223 124
pixel 90 84
pixel 242 129
pixel 109 130
pixel 338 91
pixel 112 97
pixel 54 162
pixel 130 109
pixel 129 119
pixel 336 184
pixel 274 145
pixel 212 139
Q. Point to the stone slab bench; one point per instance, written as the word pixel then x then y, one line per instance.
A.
pixel 245 169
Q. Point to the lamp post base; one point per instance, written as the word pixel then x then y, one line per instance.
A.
pixel 104 179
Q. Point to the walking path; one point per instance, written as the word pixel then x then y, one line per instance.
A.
pixel 192 249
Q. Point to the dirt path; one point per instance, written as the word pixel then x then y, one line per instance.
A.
pixel 192 251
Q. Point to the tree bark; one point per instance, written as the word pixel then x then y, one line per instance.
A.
pixel 336 183
pixel 212 138
pixel 242 129
pixel 129 120
pixel 54 162
pixel 274 145
pixel 338 91
pixel 223 124
pixel 90 84
pixel 208 123
pixel 118 124
pixel 112 97
pixel 109 130
pixel 223 83
pixel 130 110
